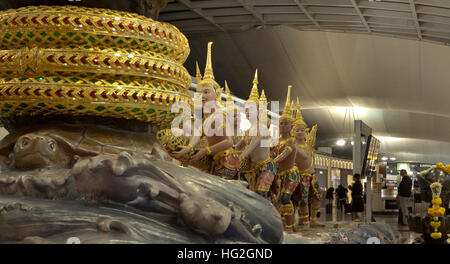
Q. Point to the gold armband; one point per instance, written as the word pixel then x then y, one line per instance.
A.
pixel 208 150
pixel 288 147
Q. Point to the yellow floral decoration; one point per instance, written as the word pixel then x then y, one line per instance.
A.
pixel 447 169
pixel 443 168
pixel 436 212
pixel 436 201
pixel 435 224
pixel 435 235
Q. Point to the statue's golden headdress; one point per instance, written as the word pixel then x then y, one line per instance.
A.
pixel 263 96
pixel 287 111
pixel 254 95
pixel 208 77
pixel 299 117
pixel 198 73
pixel 229 101
pixel 263 101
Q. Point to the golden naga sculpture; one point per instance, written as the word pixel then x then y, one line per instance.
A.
pixel 57 60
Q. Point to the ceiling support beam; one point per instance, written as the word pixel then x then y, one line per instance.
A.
pixel 416 19
pixel 303 9
pixel 200 12
pixel 252 10
pixel 363 19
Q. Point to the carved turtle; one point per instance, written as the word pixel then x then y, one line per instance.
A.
pixel 61 145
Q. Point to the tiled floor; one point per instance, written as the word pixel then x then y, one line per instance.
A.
pixel 341 219
pixel 338 219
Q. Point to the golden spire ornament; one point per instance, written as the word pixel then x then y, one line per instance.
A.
pixel 292 108
pixel 227 91
pixel 299 117
pixel 263 96
pixel 198 73
pixel 287 113
pixel 208 77
pixel 263 100
pixel 254 95
pixel 230 103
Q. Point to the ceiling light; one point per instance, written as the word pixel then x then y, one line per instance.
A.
pixel 384 158
pixel 340 142
pixel 352 142
pixel 392 158
pixel 350 110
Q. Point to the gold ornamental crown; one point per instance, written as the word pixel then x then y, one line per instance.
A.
pixel 263 96
pixel 87 61
pixel 229 101
pixel 254 95
pixel 299 121
pixel 263 102
pixel 208 77
pixel 287 111
pixel 198 73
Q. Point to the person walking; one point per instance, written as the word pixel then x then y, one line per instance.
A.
pixel 357 198
pixel 330 197
pixel 341 193
pixel 330 192
pixel 404 193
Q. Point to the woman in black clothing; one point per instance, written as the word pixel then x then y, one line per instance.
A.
pixel 357 198
pixel 341 193
pixel 329 196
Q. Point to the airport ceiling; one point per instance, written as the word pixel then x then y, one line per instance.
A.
pixel 416 19
pixel 385 62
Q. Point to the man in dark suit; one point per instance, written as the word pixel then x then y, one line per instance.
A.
pixel 404 194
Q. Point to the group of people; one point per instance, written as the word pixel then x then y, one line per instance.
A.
pixel 283 174
pixel 357 199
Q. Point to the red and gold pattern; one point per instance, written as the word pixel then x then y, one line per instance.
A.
pixel 87 61
pixel 81 95
pixel 44 62
pixel 52 26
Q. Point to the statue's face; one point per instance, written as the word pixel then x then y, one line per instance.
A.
pixel 208 93
pixel 285 126
pixel 300 133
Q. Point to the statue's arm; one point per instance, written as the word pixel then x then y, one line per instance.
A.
pixel 284 154
pixel 224 144
pixel 240 144
pixel 251 147
pixel 194 140
pixel 425 172
pixel 302 152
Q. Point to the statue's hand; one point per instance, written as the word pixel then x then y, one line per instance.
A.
pixel 200 153
pixel 179 154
